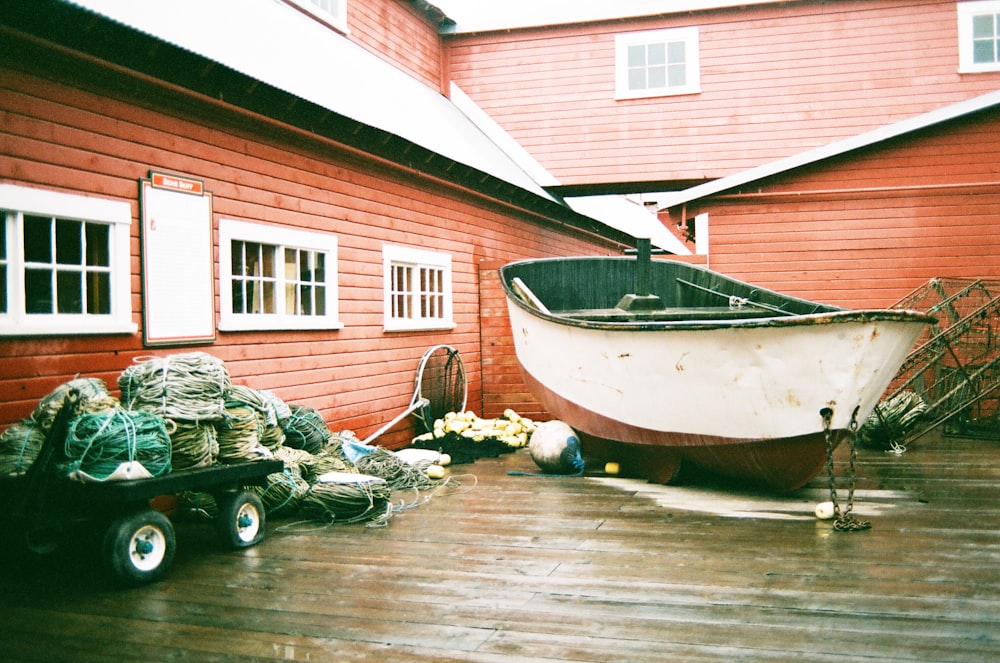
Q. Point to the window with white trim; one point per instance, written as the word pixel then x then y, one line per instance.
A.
pixel 64 264
pixel 417 286
pixel 657 63
pixel 273 277
pixel 331 12
pixel 979 36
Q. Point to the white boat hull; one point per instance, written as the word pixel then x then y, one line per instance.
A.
pixel 746 400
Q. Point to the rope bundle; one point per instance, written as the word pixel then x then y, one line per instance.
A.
pixel 198 502
pixel 305 429
pixel 239 437
pixel 355 498
pixel 328 460
pixel 398 474
pixel 893 420
pixel 97 444
pixel 92 393
pixel 182 412
pixel 19 447
pixel 266 408
pixel 282 492
pixel 189 386
pixel 193 444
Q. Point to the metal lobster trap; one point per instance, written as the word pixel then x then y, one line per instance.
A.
pixel 952 377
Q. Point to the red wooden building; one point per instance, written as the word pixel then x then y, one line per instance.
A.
pixel 319 148
pixel 645 96
pixel 241 178
pixel 863 221
pixel 838 151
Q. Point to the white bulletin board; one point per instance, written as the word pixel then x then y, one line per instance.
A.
pixel 178 284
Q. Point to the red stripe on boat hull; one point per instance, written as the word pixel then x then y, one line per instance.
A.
pixel 781 464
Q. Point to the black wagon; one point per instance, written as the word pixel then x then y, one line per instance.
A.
pixel 42 511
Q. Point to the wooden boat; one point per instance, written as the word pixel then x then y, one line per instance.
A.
pixel 690 365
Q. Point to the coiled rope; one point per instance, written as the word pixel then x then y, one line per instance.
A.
pixel 19 447
pixel 189 386
pixel 97 444
pixel 399 475
pixel 239 437
pixel 355 500
pixel 193 444
pixel 282 492
pixel 305 429
pixel 92 394
pixel 266 408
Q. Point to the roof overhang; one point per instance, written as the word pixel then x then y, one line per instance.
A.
pixel 836 149
pixel 246 71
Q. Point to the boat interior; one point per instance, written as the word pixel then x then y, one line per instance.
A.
pixel 613 289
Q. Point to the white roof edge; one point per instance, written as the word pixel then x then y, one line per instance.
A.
pixel 614 211
pixel 477 16
pixel 270 43
pixel 835 148
pixel 514 150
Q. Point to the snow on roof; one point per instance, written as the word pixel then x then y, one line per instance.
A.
pixel 484 16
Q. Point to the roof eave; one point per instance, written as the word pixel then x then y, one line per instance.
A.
pixel 833 150
pixel 92 35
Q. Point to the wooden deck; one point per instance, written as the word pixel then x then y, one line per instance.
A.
pixel 519 569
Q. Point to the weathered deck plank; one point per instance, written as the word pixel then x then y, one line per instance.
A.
pixel 526 569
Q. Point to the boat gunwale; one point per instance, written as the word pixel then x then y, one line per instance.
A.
pixel 836 316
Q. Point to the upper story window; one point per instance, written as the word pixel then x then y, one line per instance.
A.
pixel 417 289
pixel 64 264
pixel 276 278
pixel 332 12
pixel 979 36
pixel 657 63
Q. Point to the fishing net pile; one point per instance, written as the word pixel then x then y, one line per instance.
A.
pixel 466 437
pixel 182 411
pixel 892 421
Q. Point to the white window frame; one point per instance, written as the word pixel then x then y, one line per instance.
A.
pixel 692 77
pixel 281 237
pixel 335 16
pixel 117 215
pixel 966 12
pixel 393 256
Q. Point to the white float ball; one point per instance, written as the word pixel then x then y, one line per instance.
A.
pixel 824 510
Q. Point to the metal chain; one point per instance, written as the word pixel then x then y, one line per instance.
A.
pixel 844 521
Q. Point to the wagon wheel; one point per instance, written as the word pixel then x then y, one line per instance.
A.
pixel 240 522
pixel 139 547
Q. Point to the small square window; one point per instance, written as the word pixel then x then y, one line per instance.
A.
pixel 417 289
pixel 64 264
pixel 656 63
pixel 276 277
pixel 979 36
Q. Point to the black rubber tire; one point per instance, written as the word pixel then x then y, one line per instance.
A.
pixel 240 521
pixel 139 547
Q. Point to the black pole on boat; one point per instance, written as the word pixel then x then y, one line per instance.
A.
pixel 642 299
pixel 642 260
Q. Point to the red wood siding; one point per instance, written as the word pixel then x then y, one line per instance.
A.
pixel 395 30
pixel 63 130
pixel 500 366
pixel 775 81
pixel 868 228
